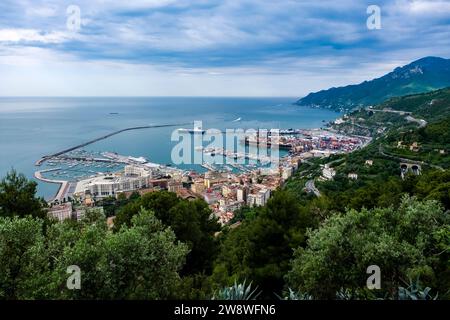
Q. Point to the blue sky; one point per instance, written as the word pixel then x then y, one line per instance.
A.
pixel 210 48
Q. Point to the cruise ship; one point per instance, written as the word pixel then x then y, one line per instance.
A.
pixel 195 130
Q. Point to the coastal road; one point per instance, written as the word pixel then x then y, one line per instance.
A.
pixel 420 122
pixel 310 187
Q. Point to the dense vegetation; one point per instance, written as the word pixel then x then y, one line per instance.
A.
pixel 294 242
pixel 190 221
pixel 17 197
pixel 408 242
pixel 139 262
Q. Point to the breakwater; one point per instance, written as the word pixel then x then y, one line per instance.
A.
pixel 44 158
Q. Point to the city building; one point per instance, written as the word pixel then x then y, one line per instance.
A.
pixel 241 194
pixel 328 173
pixel 262 197
pixel 287 172
pixel 258 198
pixel 213 177
pixel 414 147
pixel 133 178
pixel 80 212
pixel 61 212
pixel 227 190
pixel 174 186
pixel 251 200
pixel 109 185
pixel 198 186
pixel 137 171
pixel 353 176
pixel 211 197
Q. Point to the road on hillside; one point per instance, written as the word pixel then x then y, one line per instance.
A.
pixel 310 187
pixel 420 122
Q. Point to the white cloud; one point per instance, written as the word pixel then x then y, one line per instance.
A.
pixel 41 11
pixel 430 7
pixel 422 8
pixel 32 35
pixel 136 4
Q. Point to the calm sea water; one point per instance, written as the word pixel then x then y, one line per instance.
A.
pixel 33 127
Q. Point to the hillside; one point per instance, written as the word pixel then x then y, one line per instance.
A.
pixel 423 75
pixel 397 131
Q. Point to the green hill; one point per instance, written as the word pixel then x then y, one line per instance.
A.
pixel 397 132
pixel 424 75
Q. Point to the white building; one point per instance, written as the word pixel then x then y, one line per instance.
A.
pixel 241 194
pixel 262 197
pixel 328 173
pixel 287 172
pixel 251 200
pixel 211 198
pixel 80 213
pixel 137 171
pixel 134 177
pixel 353 176
pixel 61 212
pixel 229 206
pixel 258 199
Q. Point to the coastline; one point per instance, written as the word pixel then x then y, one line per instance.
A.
pixel 63 184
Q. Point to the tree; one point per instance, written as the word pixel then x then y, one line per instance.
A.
pixel 24 268
pixel 159 202
pixel 404 243
pixel 260 249
pixel 143 260
pixel 191 221
pixel 18 197
pixel 138 262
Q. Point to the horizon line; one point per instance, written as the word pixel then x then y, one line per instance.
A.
pixel 156 96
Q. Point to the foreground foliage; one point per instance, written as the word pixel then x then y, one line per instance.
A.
pixel 240 291
pixel 412 241
pixel 17 197
pixel 138 262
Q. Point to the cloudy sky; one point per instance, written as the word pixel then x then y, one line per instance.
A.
pixel 209 47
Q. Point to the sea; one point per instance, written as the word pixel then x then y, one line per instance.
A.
pixel 33 127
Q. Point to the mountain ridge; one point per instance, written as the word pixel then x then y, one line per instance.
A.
pixel 420 76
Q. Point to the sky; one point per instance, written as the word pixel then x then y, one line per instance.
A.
pixel 209 47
